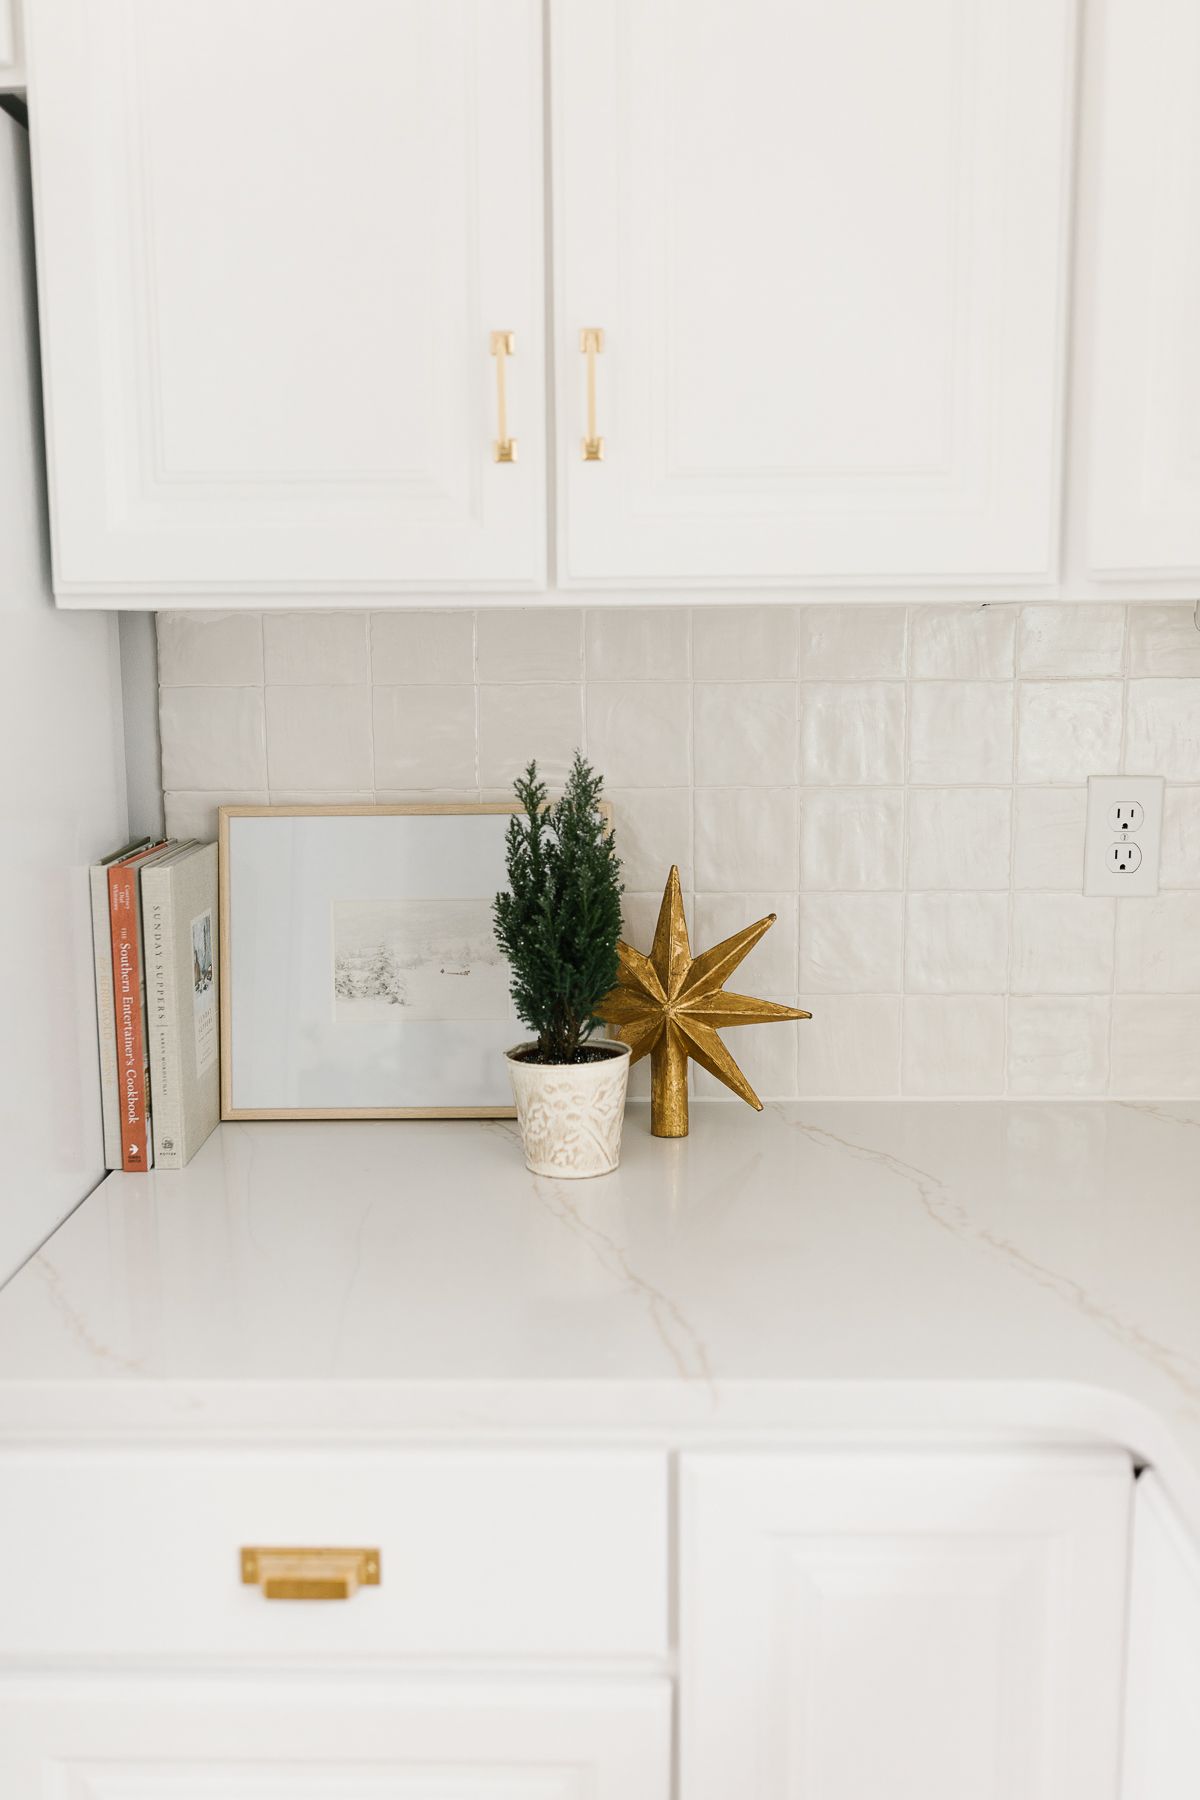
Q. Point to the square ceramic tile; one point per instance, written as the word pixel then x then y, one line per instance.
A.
pixel 639 733
pixel 850 943
pixel 314 648
pixel 1071 640
pixel 1163 640
pixel 1068 730
pixel 653 828
pixel 745 733
pixel 1163 731
pixel 422 647
pixel 529 643
pixel 766 1056
pixel 967 642
pixel 852 643
pixel 959 837
pixel 1048 838
pixel 637 643
pixel 1180 862
pixel 850 1048
pixel 539 721
pixel 213 737
pixel 852 838
pixel 960 731
pixel 956 943
pixel 743 643
pixel 209 649
pixel 746 838
pixel 194 815
pixel 1158 944
pixel 424 737
pixel 1058 1043
pixel 1062 944
pixel 852 732
pixel 1156 1046
pixel 319 737
pixel 952 1044
pixel 769 971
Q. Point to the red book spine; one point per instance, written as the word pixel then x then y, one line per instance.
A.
pixel 127 996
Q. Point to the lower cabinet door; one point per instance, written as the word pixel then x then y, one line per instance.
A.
pixel 350 1737
pixel 1162 1735
pixel 902 1626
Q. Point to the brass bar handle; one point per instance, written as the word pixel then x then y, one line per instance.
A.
pixel 284 1574
pixel 591 342
pixel 504 345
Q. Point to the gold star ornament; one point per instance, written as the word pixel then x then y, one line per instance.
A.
pixel 670 1006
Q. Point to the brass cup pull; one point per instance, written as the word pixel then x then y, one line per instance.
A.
pixel 504 345
pixel 309 1574
pixel 591 342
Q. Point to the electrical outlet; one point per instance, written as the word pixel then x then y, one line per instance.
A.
pixel 1124 834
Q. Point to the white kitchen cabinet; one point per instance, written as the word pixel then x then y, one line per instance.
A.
pixel 333 1737
pixel 1162 1733
pixel 1141 364
pixel 274 242
pixel 826 248
pixel 922 1626
pixel 12 70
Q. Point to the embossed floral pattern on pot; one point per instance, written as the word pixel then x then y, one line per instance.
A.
pixel 571 1113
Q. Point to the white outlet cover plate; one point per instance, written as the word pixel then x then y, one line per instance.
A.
pixel 1104 792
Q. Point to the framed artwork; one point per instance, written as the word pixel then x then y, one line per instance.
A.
pixel 360 977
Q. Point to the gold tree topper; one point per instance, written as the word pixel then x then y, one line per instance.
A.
pixel 670 1005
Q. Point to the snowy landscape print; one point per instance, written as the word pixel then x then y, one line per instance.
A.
pixel 416 959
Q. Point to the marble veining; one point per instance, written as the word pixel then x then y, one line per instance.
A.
pixel 823 1267
pixel 951 1215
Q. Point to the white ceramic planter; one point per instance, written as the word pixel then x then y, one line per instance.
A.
pixel 571 1113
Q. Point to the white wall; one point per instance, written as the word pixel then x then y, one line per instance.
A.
pixel 62 769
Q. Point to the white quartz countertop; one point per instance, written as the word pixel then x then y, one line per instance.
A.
pixel 816 1271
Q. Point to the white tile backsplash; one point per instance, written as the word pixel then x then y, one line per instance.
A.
pixel 516 644
pixel 744 643
pixel 851 733
pixel 640 732
pixel 959 837
pixel 313 647
pixel 1068 730
pixel 319 737
pixel 953 1044
pixel 962 643
pixel 745 733
pixel 956 943
pixel 1163 731
pixel 871 774
pixel 960 731
pixel 851 943
pixel 420 647
pixel 1058 1044
pixel 1062 944
pixel 425 736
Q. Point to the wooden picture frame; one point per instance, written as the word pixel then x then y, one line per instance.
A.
pixel 227 815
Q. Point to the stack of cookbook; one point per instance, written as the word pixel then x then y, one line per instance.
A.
pixel 154 913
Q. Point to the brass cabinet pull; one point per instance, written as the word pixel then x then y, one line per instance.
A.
pixel 591 342
pixel 504 345
pixel 309 1574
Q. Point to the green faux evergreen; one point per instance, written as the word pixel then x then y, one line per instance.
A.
pixel 559 922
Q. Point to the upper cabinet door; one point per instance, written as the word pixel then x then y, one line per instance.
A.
pixel 825 245
pixel 1142 366
pixel 274 243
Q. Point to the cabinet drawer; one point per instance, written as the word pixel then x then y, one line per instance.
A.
pixel 520 1552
